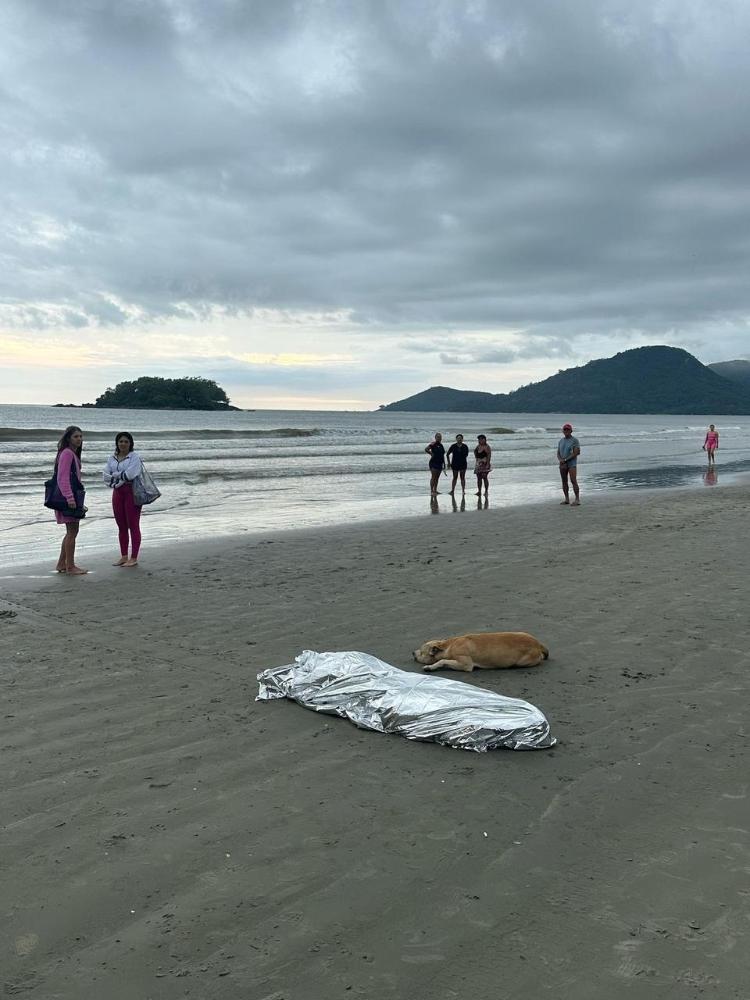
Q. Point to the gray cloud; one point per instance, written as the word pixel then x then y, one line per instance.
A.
pixel 460 349
pixel 573 171
pixel 497 357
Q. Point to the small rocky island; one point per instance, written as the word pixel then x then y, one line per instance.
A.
pixel 150 393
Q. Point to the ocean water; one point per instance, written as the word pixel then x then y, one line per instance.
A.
pixel 233 473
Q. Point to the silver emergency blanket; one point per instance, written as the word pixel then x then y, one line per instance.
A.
pixel 374 695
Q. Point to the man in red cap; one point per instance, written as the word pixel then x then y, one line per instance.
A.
pixel 568 450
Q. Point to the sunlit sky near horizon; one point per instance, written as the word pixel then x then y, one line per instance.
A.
pixel 333 205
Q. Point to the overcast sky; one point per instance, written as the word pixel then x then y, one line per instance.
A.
pixel 337 204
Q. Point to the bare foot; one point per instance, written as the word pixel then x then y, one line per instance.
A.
pixel 121 561
pixel 563 502
pixel 76 571
pixel 130 562
pixel 59 568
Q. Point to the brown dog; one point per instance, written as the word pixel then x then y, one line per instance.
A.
pixel 482 649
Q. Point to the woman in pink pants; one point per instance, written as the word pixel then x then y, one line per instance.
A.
pixel 121 469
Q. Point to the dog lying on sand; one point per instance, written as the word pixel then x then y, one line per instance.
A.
pixel 486 650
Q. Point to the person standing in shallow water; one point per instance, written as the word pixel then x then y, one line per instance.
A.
pixel 482 464
pixel 568 450
pixel 458 455
pixel 121 469
pixel 711 443
pixel 68 470
pixel 436 451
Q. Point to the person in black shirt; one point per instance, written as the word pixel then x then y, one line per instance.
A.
pixel 436 451
pixel 458 457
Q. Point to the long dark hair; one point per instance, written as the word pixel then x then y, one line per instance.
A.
pixel 64 441
pixel 124 434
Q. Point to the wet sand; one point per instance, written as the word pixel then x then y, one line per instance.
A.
pixel 164 836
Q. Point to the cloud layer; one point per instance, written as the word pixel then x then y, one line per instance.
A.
pixel 429 186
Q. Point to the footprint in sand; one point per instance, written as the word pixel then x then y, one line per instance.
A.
pixel 742 794
pixel 697 979
pixel 629 965
pixel 25 944
pixel 421 951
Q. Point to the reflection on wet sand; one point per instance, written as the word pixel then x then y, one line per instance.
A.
pixel 455 505
pixel 668 476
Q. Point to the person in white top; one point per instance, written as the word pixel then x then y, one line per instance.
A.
pixel 119 473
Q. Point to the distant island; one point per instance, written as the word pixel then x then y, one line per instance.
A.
pixel 149 393
pixel 643 380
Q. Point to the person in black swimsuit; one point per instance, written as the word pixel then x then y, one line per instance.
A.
pixel 483 465
pixel 458 457
pixel 436 451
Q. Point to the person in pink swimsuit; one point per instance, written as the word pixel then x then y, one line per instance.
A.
pixel 68 466
pixel 711 444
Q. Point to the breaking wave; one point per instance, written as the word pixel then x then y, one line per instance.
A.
pixel 53 434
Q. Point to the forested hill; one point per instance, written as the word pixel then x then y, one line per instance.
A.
pixel 643 380
pixel 735 371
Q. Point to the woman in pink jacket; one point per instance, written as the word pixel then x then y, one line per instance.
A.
pixel 68 466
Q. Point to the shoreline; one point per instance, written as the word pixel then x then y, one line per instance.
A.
pixel 266 473
pixel 164 832
pixel 230 539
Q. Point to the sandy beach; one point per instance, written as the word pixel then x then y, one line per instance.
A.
pixel 164 836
